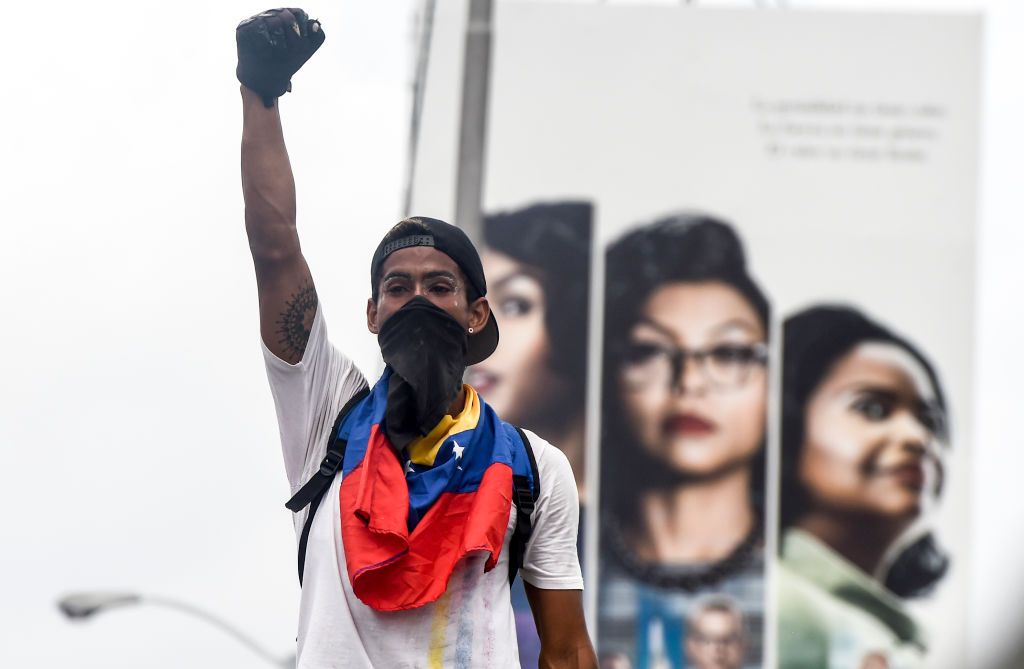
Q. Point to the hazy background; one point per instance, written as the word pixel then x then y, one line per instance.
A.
pixel 138 446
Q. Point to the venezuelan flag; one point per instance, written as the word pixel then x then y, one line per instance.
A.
pixel 405 524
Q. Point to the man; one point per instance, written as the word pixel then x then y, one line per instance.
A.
pixel 399 570
pixel 714 634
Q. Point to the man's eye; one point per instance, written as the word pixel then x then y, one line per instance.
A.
pixel 441 288
pixel 394 289
pixel 515 306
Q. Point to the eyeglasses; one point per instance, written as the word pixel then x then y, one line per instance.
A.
pixel 725 366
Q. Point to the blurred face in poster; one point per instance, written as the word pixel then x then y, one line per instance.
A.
pixel 517 379
pixel 684 400
pixel 693 381
pixel 537 263
pixel 864 440
pixel 872 445
pixel 714 638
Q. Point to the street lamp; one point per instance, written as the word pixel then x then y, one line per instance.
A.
pixel 81 605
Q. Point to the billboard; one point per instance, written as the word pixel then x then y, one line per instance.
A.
pixel 781 283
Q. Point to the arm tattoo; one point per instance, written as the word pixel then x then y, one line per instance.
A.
pixel 296 321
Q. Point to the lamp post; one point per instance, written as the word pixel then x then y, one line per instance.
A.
pixel 82 605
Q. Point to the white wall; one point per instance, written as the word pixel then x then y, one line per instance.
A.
pixel 137 439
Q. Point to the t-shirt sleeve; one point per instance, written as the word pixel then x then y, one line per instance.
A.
pixel 307 395
pixel 550 560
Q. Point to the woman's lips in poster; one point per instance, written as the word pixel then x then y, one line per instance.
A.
pixel 908 474
pixel 689 425
pixel 482 380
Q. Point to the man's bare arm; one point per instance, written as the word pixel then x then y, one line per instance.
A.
pixel 272 46
pixel 287 296
pixel 564 642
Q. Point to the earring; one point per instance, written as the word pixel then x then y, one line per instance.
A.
pixel 470 330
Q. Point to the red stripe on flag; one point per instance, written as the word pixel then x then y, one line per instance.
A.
pixel 391 570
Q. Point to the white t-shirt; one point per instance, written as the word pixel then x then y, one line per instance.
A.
pixel 472 624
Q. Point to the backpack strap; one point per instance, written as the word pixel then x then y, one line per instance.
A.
pixel 525 499
pixel 316 487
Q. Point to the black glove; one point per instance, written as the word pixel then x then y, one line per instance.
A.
pixel 272 46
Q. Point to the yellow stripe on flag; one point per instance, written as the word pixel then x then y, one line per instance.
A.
pixel 424 450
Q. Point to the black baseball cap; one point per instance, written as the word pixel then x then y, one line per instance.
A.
pixel 455 244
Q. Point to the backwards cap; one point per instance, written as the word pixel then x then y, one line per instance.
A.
pixel 455 244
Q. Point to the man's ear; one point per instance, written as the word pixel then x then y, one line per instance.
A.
pixel 479 313
pixel 371 316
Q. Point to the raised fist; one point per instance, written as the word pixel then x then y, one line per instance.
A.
pixel 272 46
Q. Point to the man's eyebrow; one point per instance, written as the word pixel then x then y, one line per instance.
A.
pixel 441 274
pixel 435 274
pixel 396 275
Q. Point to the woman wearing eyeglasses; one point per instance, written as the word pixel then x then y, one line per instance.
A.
pixel 863 441
pixel 684 404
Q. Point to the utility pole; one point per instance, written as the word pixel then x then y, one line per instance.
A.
pixel 473 128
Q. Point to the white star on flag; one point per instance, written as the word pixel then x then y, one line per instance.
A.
pixel 457 450
pixel 408 467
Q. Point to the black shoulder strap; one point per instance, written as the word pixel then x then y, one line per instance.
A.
pixel 525 499
pixel 314 489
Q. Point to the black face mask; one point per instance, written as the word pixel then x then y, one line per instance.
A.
pixel 426 349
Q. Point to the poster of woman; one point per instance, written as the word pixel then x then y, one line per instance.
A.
pixel 747 168
pixel 865 438
pixel 537 262
pixel 684 406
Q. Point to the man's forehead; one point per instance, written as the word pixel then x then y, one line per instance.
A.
pixel 418 260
